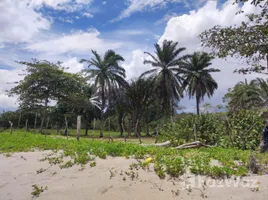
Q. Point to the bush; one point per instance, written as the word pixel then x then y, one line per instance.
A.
pixel 241 130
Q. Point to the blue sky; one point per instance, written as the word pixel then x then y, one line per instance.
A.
pixel 67 30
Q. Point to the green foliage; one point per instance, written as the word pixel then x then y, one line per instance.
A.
pixel 208 128
pixel 245 95
pixel 167 161
pixel 248 40
pixel 38 190
pixel 93 164
pixel 165 73
pixel 241 130
pixel 245 129
pixel 68 164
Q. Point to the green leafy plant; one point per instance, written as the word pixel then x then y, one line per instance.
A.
pixel 38 190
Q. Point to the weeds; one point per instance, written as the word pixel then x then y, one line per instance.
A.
pixel 68 164
pixel 93 164
pixel 39 171
pixel 38 190
pixel 166 161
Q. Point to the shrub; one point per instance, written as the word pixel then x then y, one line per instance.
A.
pixel 241 130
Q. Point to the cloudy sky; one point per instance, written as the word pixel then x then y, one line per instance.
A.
pixel 67 30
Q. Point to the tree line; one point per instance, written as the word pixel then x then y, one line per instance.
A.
pixel 101 90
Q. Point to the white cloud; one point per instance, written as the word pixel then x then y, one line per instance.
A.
pixel 84 1
pixel 78 42
pixel 72 65
pixel 65 20
pixel 135 67
pixel 166 18
pixel 132 32
pixel 104 2
pixel 8 77
pixel 67 5
pixel 186 28
pixel 141 5
pixel 88 15
pixel 19 22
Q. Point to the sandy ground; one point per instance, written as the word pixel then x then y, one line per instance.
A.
pixel 19 172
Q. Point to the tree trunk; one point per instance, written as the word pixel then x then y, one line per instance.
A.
pixel 197 104
pixel 129 127
pixel 110 138
pixel 48 119
pixel 86 129
pixel 120 122
pixel 35 121
pixel 78 127
pixel 19 121
pixel 136 131
pixel 26 125
pixel 42 124
pixel 147 129
pixel 102 110
pixel 94 122
pixel 66 127
pixel 11 127
pixel 43 117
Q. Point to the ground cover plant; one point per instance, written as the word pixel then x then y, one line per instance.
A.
pixel 166 161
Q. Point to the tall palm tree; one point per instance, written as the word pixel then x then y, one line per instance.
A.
pixel 106 73
pixel 246 95
pixel 198 81
pixel 165 73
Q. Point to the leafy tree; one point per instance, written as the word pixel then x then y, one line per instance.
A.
pixel 198 81
pixel 165 74
pixel 244 95
pixel 248 40
pixel 43 82
pixel 106 73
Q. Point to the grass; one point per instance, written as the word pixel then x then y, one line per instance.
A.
pixel 93 135
pixel 167 161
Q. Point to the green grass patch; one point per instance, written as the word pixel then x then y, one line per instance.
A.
pixel 167 161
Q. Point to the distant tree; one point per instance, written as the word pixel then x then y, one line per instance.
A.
pixel 106 74
pixel 198 81
pixel 244 95
pixel 165 74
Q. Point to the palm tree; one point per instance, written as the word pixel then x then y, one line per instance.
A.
pixel 106 73
pixel 245 95
pixel 165 73
pixel 140 95
pixel 198 81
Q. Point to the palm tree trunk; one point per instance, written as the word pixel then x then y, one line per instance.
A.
pixel 120 122
pixel 197 105
pixel 102 110
pixel 86 129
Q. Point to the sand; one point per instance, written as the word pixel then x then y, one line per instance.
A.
pixel 108 180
